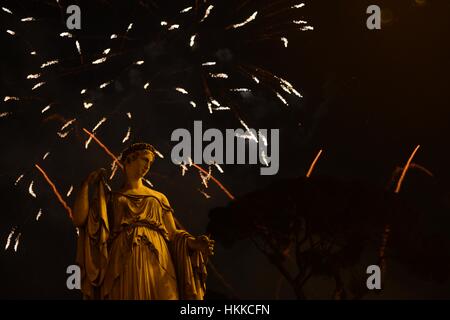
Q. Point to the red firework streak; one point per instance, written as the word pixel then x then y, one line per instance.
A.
pixel 55 190
pixel 387 228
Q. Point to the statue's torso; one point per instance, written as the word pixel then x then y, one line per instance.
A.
pixel 130 211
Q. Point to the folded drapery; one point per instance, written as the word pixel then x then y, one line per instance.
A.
pixel 148 267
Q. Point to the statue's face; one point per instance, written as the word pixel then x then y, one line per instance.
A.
pixel 138 163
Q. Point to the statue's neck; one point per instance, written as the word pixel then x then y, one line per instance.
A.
pixel 134 184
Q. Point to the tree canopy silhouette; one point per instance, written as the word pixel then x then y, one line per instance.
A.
pixel 323 225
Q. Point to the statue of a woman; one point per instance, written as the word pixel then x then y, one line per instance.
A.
pixel 129 246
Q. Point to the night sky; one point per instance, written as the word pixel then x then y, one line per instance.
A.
pixel 369 97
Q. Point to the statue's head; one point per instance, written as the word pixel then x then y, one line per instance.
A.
pixel 137 159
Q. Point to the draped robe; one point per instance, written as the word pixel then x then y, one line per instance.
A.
pixel 127 250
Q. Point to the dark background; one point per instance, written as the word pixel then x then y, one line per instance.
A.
pixel 369 98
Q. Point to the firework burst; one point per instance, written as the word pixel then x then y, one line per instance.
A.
pixel 200 52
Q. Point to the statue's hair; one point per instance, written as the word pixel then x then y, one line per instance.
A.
pixel 136 147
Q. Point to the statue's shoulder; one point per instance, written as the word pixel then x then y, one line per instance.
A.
pixel 159 195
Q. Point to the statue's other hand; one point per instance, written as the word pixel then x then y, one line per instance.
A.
pixel 205 245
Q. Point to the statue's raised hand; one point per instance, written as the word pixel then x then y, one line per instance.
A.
pixel 94 176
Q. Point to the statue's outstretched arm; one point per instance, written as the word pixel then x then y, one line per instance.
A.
pixel 190 263
pixel 202 243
